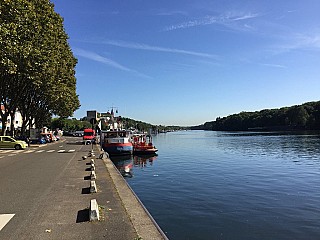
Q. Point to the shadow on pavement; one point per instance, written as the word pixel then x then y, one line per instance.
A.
pixel 87 178
pixel 75 143
pixel 85 190
pixel 83 216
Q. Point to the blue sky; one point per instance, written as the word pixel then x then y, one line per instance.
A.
pixel 188 62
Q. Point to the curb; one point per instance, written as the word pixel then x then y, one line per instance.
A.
pixel 142 221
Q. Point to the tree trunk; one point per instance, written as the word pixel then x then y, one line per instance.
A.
pixel 12 130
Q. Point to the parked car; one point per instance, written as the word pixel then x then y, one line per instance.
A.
pixel 78 134
pixel 39 140
pixel 21 138
pixel 48 137
pixel 66 133
pixel 10 142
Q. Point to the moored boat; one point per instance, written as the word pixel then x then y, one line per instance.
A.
pixel 142 144
pixel 117 142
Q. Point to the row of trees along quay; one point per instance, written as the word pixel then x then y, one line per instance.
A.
pixel 298 117
pixel 37 66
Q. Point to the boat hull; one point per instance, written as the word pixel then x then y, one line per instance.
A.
pixel 118 148
pixel 144 151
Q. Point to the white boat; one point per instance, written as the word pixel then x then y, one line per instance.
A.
pixel 117 142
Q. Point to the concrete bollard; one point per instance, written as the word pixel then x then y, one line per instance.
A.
pixel 93 187
pixel 94 210
pixel 91 154
pixel 93 175
pixel 93 167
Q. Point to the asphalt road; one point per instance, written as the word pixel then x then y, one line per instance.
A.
pixel 45 191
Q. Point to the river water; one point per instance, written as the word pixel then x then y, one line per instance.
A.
pixel 231 185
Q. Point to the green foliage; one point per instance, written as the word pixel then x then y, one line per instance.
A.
pixel 139 125
pixel 37 67
pixel 144 127
pixel 299 117
pixel 69 125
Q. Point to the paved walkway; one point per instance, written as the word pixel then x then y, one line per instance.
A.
pixel 121 214
pixel 63 211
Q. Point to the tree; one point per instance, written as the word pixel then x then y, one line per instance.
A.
pixel 37 65
pixel 15 47
pixel 297 116
pixel 300 117
pixel 70 125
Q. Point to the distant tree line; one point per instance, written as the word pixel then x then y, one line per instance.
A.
pixel 298 117
pixel 72 125
pixel 144 127
pixel 69 125
pixel 37 67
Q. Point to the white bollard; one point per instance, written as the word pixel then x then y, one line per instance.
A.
pixel 94 210
pixel 93 175
pixel 93 167
pixel 91 154
pixel 93 187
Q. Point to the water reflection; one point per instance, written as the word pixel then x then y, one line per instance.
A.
pixel 143 160
pixel 125 163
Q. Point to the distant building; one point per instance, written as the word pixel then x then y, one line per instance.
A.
pixel 92 114
pixel 105 120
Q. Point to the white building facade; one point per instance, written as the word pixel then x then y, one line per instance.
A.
pixel 17 121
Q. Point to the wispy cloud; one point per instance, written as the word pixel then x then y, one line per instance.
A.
pixel 309 41
pixel 273 65
pixel 298 42
pixel 98 58
pixel 157 49
pixel 292 11
pixel 171 13
pixel 208 20
pixel 243 17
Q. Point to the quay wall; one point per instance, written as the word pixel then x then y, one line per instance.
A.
pixel 144 224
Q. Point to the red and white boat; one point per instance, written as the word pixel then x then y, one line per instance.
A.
pixel 142 144
pixel 117 142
